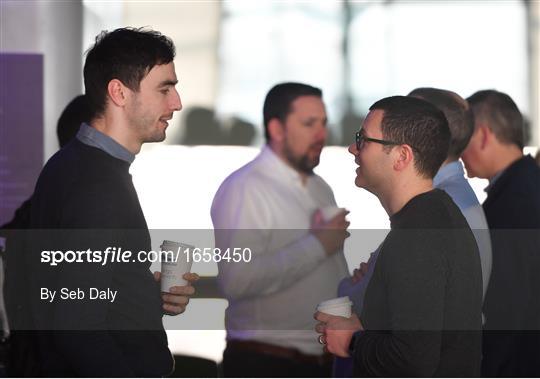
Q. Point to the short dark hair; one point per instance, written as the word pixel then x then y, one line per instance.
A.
pixel 126 54
pixel 502 114
pixel 419 124
pixel 457 113
pixel 277 103
pixel 74 114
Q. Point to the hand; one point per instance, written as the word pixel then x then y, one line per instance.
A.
pixel 337 332
pixel 331 234
pixel 359 273
pixel 175 302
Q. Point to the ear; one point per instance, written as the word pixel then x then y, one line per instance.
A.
pixel 276 130
pixel 484 136
pixel 117 92
pixel 403 157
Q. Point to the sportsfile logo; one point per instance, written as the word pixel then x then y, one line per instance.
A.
pixel 109 255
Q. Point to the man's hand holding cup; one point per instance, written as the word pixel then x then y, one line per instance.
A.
pixel 175 277
pixel 176 299
pixel 329 225
pixel 337 324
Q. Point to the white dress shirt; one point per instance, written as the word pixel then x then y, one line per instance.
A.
pixel 266 207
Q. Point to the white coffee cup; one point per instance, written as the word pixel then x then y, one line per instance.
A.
pixel 330 212
pixel 176 260
pixel 341 306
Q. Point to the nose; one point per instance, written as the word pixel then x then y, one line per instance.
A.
pixel 352 149
pixel 176 102
pixel 322 133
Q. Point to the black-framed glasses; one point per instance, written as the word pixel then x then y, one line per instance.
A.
pixel 361 140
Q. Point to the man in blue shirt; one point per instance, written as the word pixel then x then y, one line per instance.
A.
pixel 451 176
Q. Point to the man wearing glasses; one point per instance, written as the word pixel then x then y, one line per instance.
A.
pixel 422 310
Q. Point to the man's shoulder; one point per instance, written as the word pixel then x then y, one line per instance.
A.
pixel 475 217
pixel 461 193
pixel 79 161
pixel 321 182
pixel 432 230
pixel 64 157
pixel 523 176
pixel 250 175
pixel 515 192
pixel 432 210
pixel 74 154
pixel 81 172
pixel 59 170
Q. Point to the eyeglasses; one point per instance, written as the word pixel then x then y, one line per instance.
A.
pixel 361 140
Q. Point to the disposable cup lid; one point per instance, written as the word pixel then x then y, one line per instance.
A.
pixel 167 243
pixel 330 211
pixel 335 307
pixel 335 302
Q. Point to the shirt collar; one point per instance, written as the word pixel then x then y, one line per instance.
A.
pixel 448 171
pixel 92 137
pixel 286 172
pixel 493 180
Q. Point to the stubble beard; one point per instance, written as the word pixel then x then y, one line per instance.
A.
pixel 301 163
pixel 145 127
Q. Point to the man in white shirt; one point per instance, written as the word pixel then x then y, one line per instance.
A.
pixel 272 206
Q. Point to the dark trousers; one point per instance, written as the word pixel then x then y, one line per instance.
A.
pixel 242 363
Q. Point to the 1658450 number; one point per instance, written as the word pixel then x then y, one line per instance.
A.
pixel 208 254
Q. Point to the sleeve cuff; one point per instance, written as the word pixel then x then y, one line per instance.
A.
pixel 354 339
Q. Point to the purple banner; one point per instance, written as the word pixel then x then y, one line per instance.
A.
pixel 21 129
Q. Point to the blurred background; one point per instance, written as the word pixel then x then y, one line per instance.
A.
pixel 228 56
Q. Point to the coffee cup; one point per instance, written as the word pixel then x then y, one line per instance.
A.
pixel 176 260
pixel 330 212
pixel 341 306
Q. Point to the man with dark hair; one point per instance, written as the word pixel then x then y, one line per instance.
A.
pixel 450 178
pixel 271 205
pixel 512 207
pixel 126 55
pixel 279 100
pixel 422 310
pixel 85 200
